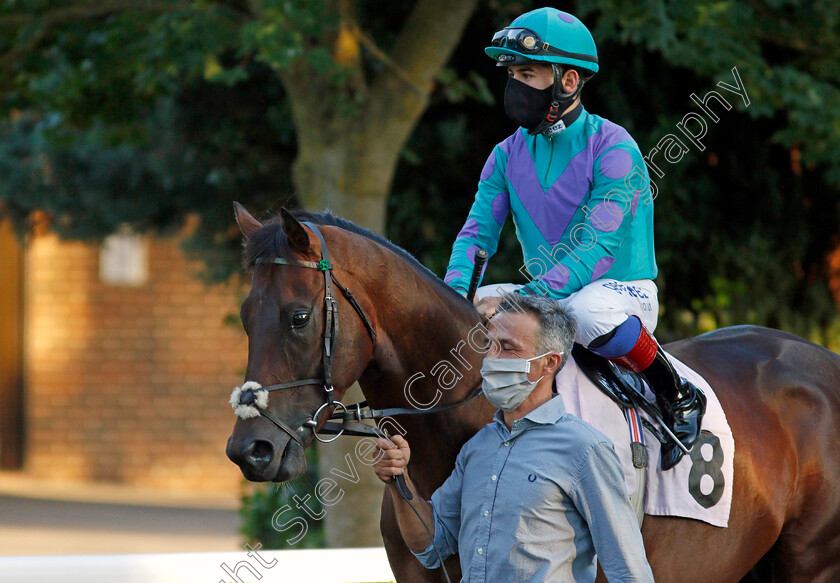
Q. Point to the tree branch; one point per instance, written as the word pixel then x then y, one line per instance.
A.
pixel 85 10
pixel 314 96
pixel 387 61
pixel 65 15
pixel 423 47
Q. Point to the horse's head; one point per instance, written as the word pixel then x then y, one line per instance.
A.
pixel 289 333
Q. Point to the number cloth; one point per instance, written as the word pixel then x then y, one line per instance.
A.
pixel 537 503
pixel 700 486
pixel 581 203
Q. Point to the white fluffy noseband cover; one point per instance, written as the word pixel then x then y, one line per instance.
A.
pixel 253 410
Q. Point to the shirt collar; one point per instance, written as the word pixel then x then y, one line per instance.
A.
pixel 548 413
pixel 564 122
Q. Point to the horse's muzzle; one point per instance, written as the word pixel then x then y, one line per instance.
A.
pixel 260 461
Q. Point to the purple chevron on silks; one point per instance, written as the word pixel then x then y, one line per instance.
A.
pixel 585 176
pixel 608 136
pixel 551 210
pixel 507 144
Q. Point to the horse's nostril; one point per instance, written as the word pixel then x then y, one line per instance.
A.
pixel 258 454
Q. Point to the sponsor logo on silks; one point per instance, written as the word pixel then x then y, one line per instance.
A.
pixel 505 58
pixel 556 128
pixel 634 291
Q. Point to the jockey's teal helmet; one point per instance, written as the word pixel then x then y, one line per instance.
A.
pixel 545 35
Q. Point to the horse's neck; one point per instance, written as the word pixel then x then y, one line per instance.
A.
pixel 424 330
pixel 432 336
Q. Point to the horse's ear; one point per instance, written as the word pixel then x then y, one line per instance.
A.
pixel 247 223
pixel 295 233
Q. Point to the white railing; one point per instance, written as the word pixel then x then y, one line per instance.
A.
pixel 368 565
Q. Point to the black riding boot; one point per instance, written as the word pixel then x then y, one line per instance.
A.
pixel 682 405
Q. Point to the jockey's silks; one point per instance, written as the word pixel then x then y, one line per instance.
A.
pixel 581 204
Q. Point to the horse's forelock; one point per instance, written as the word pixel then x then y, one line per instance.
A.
pixel 267 241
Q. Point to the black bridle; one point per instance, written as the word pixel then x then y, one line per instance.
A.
pixel 350 416
pixel 248 396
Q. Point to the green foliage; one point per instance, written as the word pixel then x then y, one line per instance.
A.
pixel 260 506
pixel 472 87
pixel 741 230
pixel 786 53
pixel 148 112
pixel 88 64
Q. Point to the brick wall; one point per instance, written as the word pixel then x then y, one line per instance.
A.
pixel 128 384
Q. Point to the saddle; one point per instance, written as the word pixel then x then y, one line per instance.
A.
pixel 625 388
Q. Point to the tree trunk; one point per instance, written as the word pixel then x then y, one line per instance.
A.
pixel 354 521
pixel 333 176
pixel 346 163
pixel 349 178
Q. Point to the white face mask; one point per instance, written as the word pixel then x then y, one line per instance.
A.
pixel 505 381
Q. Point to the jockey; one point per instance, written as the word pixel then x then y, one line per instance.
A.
pixel 579 192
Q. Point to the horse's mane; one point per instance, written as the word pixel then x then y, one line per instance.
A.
pixel 270 241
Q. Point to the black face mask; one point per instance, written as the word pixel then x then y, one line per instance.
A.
pixel 526 106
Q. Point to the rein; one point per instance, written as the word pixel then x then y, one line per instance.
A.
pixel 246 399
pixel 353 415
pixel 251 400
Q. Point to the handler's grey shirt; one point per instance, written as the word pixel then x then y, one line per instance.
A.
pixel 535 505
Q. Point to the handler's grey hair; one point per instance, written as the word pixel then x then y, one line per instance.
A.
pixel 557 325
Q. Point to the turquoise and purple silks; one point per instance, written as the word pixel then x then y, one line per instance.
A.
pixel 581 204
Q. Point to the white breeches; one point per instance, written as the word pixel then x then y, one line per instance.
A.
pixel 602 305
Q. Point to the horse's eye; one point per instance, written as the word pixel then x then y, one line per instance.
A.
pixel 300 319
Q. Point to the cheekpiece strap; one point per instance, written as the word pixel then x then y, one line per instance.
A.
pixel 330 312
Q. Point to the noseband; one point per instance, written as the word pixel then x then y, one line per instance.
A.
pixel 251 400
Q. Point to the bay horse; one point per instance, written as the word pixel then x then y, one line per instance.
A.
pixel 781 395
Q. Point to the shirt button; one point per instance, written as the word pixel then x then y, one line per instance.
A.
pixel 486 513
pixel 480 550
pixel 493 477
pixel 507 443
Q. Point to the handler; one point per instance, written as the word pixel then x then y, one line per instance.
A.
pixel 536 493
pixel 579 192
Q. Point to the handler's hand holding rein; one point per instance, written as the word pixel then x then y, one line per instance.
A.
pixel 395 456
pixel 487 307
pixel 416 521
